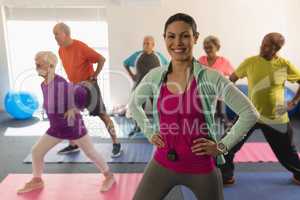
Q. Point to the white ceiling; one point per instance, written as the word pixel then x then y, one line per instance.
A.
pixel 73 3
pixel 53 3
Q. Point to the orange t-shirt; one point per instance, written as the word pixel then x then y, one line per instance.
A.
pixel 78 59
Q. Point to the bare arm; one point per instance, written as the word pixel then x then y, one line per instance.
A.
pixel 100 65
pixel 291 104
pixel 297 95
pixel 233 77
pixel 129 72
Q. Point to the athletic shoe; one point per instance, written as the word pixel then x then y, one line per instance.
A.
pixel 69 149
pixel 116 151
pixel 229 181
pixel 107 183
pixel 33 184
pixel 296 181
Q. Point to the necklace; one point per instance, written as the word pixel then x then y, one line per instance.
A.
pixel 172 154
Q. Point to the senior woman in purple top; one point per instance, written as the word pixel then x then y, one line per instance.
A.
pixel 61 102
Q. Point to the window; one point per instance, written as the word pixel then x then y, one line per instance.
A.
pixel 26 38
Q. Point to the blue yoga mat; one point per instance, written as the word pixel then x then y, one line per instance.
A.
pixel 259 185
pixel 132 153
pixel 95 128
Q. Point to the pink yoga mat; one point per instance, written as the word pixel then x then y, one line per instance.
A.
pixel 256 152
pixel 70 187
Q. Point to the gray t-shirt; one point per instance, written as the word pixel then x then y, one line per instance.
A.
pixel 144 64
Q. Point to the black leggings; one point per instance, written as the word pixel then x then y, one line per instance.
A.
pixel 280 138
pixel 158 181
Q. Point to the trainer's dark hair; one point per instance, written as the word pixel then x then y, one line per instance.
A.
pixel 182 17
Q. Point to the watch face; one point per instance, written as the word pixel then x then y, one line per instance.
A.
pixel 221 146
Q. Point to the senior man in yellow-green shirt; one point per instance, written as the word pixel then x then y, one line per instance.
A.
pixel 267 74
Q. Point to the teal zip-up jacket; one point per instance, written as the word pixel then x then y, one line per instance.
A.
pixel 211 86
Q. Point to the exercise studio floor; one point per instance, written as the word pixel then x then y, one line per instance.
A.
pixel 258 177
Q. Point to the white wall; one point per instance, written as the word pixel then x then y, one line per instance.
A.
pixel 4 73
pixel 240 24
pixel 292 48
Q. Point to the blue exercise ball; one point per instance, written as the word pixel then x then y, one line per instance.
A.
pixel 288 94
pixel 20 105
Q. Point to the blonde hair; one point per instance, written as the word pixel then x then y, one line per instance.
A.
pixel 47 56
pixel 214 40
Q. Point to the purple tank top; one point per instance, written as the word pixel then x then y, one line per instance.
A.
pixel 59 96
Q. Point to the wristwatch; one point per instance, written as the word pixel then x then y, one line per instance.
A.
pixel 222 148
